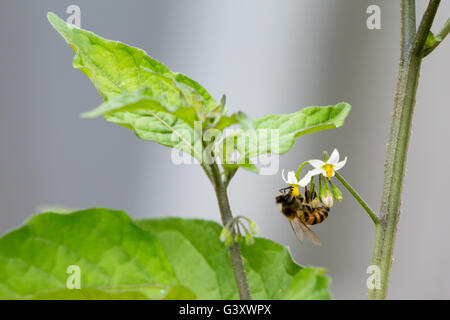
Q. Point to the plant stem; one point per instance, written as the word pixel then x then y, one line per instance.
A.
pixel 441 36
pixel 235 249
pixel 358 198
pixel 412 44
pixel 228 177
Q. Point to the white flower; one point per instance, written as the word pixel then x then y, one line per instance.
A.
pixel 291 178
pixel 327 168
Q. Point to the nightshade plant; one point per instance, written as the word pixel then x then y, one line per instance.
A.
pixel 168 258
pixel 173 258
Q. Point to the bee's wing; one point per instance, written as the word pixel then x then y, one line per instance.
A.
pixel 309 233
pixel 297 229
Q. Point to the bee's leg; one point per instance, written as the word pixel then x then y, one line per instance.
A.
pixel 315 203
pixel 284 189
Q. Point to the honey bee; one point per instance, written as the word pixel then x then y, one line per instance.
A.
pixel 302 211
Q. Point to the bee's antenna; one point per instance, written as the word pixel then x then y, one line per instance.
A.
pixel 284 189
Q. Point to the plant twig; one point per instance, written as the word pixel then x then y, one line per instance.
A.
pixel 229 176
pixel 440 36
pixel 358 198
pixel 412 44
pixel 212 170
pixel 425 26
pixel 235 249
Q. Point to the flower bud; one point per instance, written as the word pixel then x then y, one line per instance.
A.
pixel 337 193
pixel 225 235
pixel 324 192
pixel 249 240
pixel 254 229
pixel 327 200
pixel 229 241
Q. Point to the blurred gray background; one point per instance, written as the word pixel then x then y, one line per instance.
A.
pixel 268 57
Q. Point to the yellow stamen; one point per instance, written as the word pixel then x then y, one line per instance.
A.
pixel 328 170
pixel 295 191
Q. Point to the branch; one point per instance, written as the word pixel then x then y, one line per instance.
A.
pixel 235 249
pixel 358 198
pixel 212 170
pixel 208 172
pixel 425 26
pixel 439 38
pixel 229 176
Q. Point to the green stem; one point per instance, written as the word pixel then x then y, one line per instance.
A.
pixel 358 198
pixel 440 36
pixel 412 44
pixel 229 176
pixel 227 217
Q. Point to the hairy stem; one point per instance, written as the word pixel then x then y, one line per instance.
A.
pixel 412 45
pixel 226 216
pixel 358 198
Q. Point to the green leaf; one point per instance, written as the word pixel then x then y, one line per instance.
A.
pixel 159 105
pixel 229 167
pixel 116 68
pixel 309 284
pixel 271 271
pixel 179 293
pixel 236 118
pixel 160 127
pixel 430 42
pixel 172 293
pixel 245 121
pixel 142 99
pixel 88 294
pixel 145 114
pixel 226 121
pixel 116 259
pixel 150 259
pixel 140 93
pixel 260 139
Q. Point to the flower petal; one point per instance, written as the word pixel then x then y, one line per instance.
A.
pixel 282 176
pixel 316 163
pixel 305 180
pixel 292 179
pixel 334 158
pixel 339 165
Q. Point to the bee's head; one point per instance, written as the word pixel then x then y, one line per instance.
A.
pixel 288 194
pixel 284 196
pixel 280 198
pixel 291 189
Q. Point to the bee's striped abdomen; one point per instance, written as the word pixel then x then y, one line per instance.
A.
pixel 314 216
